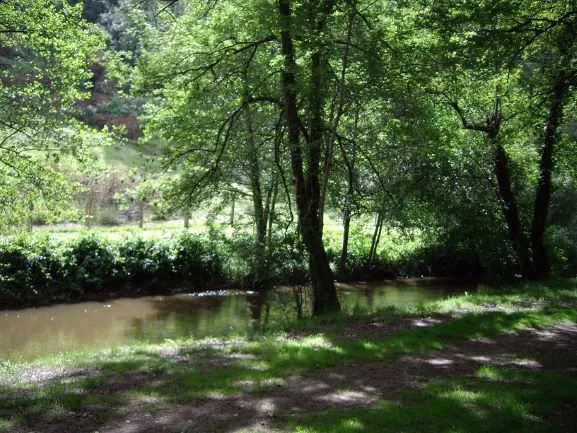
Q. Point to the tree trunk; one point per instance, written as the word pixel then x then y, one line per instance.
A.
pixel 141 214
pixel 342 269
pixel 259 266
pixel 186 216
pixel 542 199
pixel 337 118
pixel 270 213
pixel 376 237
pixel 509 207
pixel 232 206
pixel 88 212
pixel 492 129
pixel 306 190
pixel 30 219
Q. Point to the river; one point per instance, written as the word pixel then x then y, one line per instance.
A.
pixel 34 332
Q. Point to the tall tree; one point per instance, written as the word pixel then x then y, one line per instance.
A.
pixel 307 185
pixel 218 112
pixel 46 49
pixel 507 58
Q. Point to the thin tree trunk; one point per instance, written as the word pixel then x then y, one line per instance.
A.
pixel 259 267
pixel 186 216
pixel 342 269
pixel 338 114
pixel 232 206
pixel 30 219
pixel 88 212
pixel 306 190
pixel 271 209
pixel 141 214
pixel 376 237
pixel 378 240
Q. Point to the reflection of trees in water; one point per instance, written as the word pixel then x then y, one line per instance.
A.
pixel 403 292
pixel 256 303
pixel 203 316
pixel 369 293
pixel 447 284
pixel 198 316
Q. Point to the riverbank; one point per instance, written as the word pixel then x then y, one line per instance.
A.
pixel 38 270
pixel 495 360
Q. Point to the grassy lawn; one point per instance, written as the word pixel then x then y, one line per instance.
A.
pixel 475 362
pixel 393 244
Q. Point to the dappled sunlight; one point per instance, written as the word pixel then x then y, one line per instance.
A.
pixel 452 366
pixel 557 333
pixel 474 406
pixel 347 397
pixel 425 322
pixel 439 361
pixel 369 346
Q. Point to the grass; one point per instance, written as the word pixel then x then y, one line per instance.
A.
pixel 180 372
pixel 393 243
pixel 503 400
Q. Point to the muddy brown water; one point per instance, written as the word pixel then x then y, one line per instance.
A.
pixel 34 332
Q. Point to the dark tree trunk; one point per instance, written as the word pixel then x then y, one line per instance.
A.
pixel 141 214
pixel 306 190
pixel 492 129
pixel 542 199
pixel 232 206
pixel 510 208
pixel 343 259
pixel 376 237
pixel 271 212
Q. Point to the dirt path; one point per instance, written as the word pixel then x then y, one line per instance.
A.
pixel 552 349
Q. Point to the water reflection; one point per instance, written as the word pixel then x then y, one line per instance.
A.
pixel 190 316
pixel 33 332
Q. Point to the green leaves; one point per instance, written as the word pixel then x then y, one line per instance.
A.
pixel 46 52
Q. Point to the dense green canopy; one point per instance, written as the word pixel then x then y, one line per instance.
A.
pixel 448 120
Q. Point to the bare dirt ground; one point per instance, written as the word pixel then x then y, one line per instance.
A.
pixel 551 349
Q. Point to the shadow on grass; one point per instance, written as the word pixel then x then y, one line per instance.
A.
pixel 497 400
pixel 217 385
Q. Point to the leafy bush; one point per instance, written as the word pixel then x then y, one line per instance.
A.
pixel 287 261
pixel 35 270
pixel 89 263
pixel 28 269
pixel 441 261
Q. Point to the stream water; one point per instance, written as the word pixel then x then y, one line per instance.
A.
pixel 34 332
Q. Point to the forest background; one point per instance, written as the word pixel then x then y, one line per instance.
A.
pixel 382 139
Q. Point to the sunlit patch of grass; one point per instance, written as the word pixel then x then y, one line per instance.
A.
pixel 6 423
pixel 544 296
pixel 490 372
pixel 148 400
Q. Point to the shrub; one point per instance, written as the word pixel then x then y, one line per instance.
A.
pixel 89 264
pixel 35 269
pixel 29 269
